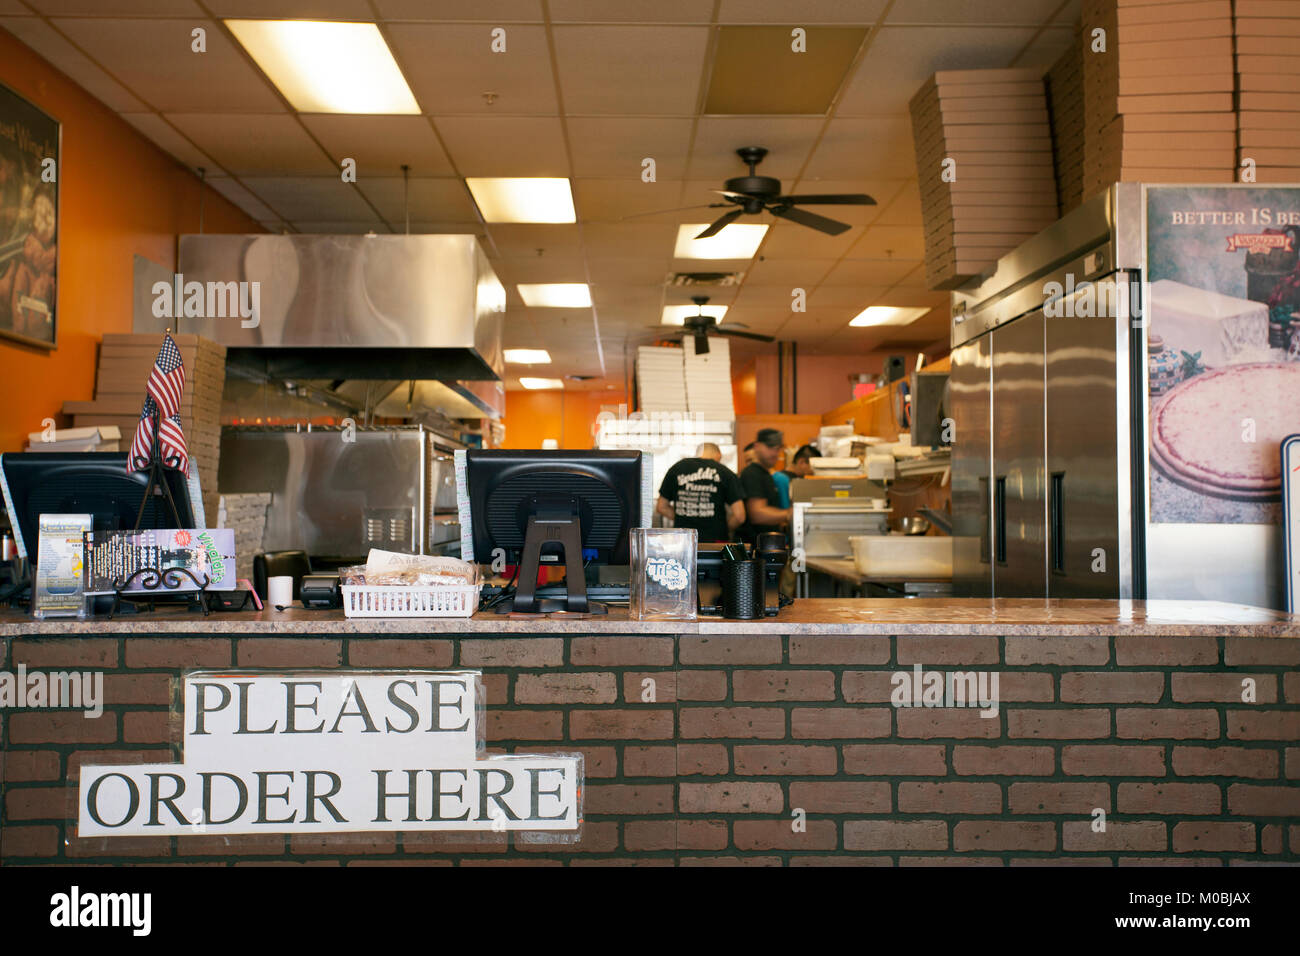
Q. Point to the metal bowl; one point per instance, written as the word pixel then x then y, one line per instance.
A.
pixel 915 524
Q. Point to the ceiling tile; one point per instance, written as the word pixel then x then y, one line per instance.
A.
pixel 608 11
pixel 609 200
pixel 638 71
pixel 241 197
pixel 505 146
pixel 868 272
pixel 796 81
pixel 532 268
pixel 889 242
pixel 718 137
pixel 53 46
pixel 854 297
pixel 905 210
pixel 900 59
pixel 800 11
pixel 788 239
pixel 312 200
pixel 642 270
pixel 519 240
pixel 381 144
pixel 1022 12
pixel 122 8
pixel 481 10
pixel 431 200
pixel 616 147
pixel 858 147
pixel 788 272
pixel 153 59
pixel 450 67
pixel 252 145
pixel 356 10
pixel 163 134
pixel 621 240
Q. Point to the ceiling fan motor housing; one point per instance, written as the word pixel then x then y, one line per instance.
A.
pixel 764 186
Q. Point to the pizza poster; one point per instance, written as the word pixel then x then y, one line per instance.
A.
pixel 29 220
pixel 1223 349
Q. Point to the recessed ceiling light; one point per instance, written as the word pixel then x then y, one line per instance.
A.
pixel 329 67
pixel 528 356
pixel 887 315
pixel 523 200
pixel 541 383
pixel 555 295
pixel 678 314
pixel 733 242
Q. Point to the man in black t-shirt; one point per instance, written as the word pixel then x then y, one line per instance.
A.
pixel 704 494
pixel 763 511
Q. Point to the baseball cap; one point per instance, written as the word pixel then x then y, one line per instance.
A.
pixel 771 437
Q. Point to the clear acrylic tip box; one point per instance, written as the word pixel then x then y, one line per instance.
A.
pixel 663 583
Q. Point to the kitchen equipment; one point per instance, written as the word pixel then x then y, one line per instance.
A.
pixel 772 549
pixel 291 564
pixel 339 492
pixel 321 591
pixel 902 556
pixel 914 525
pixel 1057 490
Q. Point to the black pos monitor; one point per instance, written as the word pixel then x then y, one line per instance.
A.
pixel 94 483
pixel 547 507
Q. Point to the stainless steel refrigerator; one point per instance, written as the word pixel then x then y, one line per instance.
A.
pixel 1052 489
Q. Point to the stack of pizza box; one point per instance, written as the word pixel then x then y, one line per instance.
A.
pixel 1158 92
pixel 1267 34
pixel 1065 106
pixel 661 380
pixel 984 161
pixel 125 362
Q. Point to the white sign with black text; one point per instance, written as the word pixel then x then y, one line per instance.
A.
pixel 330 752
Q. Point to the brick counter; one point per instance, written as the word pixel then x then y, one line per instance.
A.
pixel 703 746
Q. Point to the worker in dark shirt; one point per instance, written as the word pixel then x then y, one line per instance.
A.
pixel 763 511
pixel 801 467
pixel 704 494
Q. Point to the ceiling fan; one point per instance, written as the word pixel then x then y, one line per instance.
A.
pixel 701 326
pixel 754 193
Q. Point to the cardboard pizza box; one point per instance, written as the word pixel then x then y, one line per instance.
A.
pixel 1161 13
pixel 1267 27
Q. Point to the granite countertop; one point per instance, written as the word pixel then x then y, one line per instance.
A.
pixel 1005 616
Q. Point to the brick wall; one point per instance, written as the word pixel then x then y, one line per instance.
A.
pixel 745 731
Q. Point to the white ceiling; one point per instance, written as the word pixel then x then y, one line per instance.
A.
pixel 587 89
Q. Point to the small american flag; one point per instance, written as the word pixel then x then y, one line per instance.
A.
pixel 166 385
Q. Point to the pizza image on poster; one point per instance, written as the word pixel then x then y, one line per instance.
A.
pixel 29 221
pixel 1222 317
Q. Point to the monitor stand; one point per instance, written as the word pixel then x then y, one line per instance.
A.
pixel 566 530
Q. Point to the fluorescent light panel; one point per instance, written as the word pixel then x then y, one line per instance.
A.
pixel 555 295
pixel 329 67
pixel 887 315
pixel 677 314
pixel 733 242
pixel 528 356
pixel 523 200
pixel 541 383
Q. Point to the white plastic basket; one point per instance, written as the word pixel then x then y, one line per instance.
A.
pixel 444 600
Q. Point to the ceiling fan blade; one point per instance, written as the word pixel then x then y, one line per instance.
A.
pixel 660 212
pixel 829 226
pixel 746 335
pixel 831 199
pixel 733 196
pixel 723 221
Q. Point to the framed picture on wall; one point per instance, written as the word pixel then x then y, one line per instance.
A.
pixel 29 221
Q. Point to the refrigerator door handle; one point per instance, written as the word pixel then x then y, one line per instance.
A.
pixel 1056 521
pixel 986 552
pixel 1000 519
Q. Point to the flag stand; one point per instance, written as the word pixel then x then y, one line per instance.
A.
pixel 155 466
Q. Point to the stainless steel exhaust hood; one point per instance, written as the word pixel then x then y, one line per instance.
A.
pixel 345 307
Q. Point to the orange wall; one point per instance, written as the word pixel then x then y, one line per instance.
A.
pixel 568 417
pixel 744 389
pixel 119 195
pixel 823 379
